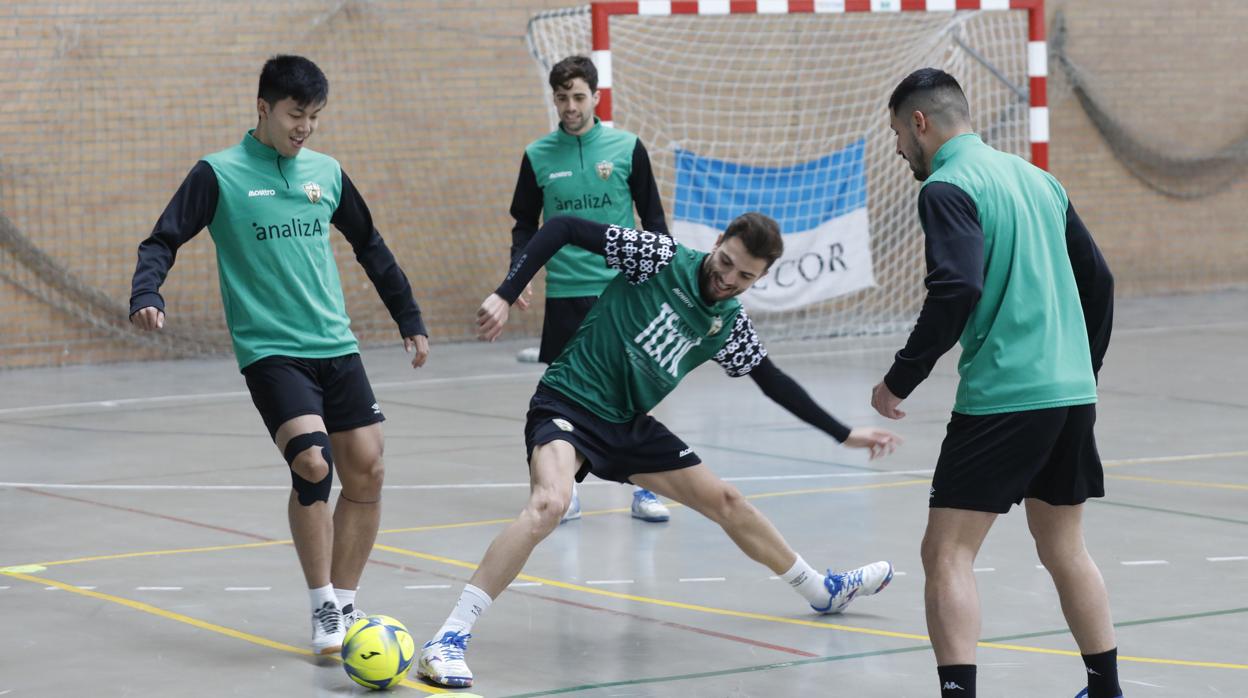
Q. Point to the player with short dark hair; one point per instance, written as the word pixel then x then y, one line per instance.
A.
pixel 586 169
pixel 1014 275
pixel 268 203
pixel 670 309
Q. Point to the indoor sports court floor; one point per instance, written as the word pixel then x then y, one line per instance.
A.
pixel 145 546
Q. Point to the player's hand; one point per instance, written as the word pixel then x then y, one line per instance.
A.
pixel 148 319
pixel 491 317
pixel 880 441
pixel 526 298
pixel 419 344
pixel 884 402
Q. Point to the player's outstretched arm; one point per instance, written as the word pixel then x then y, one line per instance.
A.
pixel 550 238
pixel 786 392
pixel 881 442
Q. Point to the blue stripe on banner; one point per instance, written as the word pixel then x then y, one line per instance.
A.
pixel 800 197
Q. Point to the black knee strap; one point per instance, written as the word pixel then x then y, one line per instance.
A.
pixel 310 492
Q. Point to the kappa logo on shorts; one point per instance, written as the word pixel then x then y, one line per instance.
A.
pixel 563 424
pixel 685 452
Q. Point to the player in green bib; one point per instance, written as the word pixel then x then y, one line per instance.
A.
pixel 1015 277
pixel 268 203
pixel 589 170
pixel 669 310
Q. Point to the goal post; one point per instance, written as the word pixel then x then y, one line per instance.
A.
pixel 781 106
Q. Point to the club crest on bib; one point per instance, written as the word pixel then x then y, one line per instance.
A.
pixel 604 167
pixel 313 190
pixel 717 324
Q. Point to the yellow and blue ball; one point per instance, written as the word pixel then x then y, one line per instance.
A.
pixel 377 652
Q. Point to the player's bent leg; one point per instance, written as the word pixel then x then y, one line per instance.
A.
pixel 307 450
pixel 950 544
pixel 1058 532
pixel 552 472
pixel 357 514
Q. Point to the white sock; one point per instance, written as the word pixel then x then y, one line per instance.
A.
pixel 472 603
pixel 346 597
pixel 322 595
pixel 808 582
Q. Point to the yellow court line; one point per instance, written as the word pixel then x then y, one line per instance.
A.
pixel 1173 459
pixel 149 553
pixel 1185 483
pixel 1121 658
pixel 202 624
pixel 659 602
pixel 792 621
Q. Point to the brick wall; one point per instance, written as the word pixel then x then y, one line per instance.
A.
pixel 107 104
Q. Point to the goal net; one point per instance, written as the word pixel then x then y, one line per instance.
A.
pixel 782 107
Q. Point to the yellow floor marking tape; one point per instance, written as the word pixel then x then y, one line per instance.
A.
pixel 1184 483
pixel 790 621
pixel 204 625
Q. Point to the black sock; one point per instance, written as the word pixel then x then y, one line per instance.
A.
pixel 1103 674
pixel 957 680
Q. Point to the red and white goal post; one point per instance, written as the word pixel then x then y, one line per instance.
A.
pixel 781 106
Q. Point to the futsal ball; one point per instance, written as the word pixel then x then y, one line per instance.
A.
pixel 377 652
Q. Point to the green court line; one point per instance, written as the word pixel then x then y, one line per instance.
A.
pixel 1127 624
pixel 842 657
pixel 1176 512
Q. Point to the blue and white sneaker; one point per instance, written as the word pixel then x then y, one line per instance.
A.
pixel 846 586
pixel 1084 694
pixel 442 661
pixel 647 507
pixel 574 507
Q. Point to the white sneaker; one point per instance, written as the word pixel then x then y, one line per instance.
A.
pixel 647 507
pixel 327 630
pixel 351 614
pixel 574 507
pixel 528 355
pixel 442 661
pixel 846 586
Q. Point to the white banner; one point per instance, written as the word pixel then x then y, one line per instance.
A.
pixel 821 206
pixel 832 260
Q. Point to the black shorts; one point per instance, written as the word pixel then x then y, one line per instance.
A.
pixel 991 462
pixel 563 319
pixel 612 451
pixel 336 389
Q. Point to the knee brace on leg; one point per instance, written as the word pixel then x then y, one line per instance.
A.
pixel 310 492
